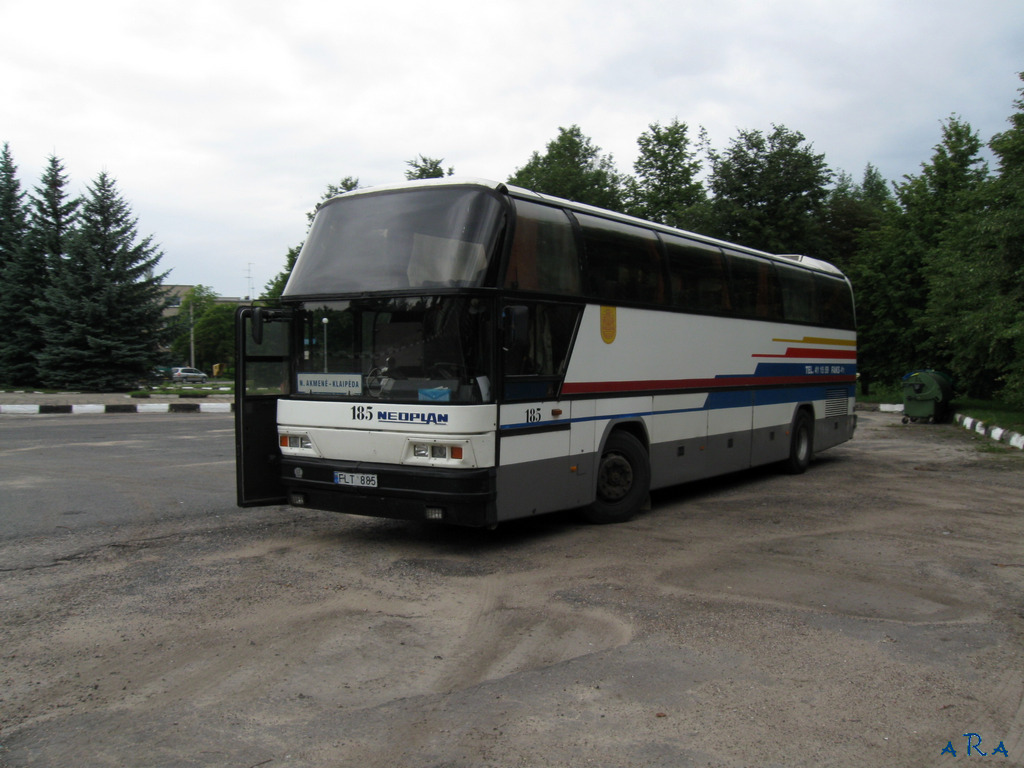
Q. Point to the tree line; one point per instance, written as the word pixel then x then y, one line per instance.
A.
pixel 81 300
pixel 936 259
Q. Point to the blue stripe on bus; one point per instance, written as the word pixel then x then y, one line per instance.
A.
pixel 716 401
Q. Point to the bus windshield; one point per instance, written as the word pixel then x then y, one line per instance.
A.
pixel 426 238
pixel 409 348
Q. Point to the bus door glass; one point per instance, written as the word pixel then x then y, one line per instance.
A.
pixel 262 377
pixel 535 425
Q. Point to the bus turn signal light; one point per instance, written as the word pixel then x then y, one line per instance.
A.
pixel 295 441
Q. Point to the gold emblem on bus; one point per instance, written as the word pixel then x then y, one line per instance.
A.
pixel 608 325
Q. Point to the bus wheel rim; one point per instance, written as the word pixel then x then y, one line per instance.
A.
pixel 616 477
pixel 803 447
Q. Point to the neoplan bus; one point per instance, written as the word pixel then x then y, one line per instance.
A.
pixel 470 352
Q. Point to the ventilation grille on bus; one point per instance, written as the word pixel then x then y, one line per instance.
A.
pixel 837 402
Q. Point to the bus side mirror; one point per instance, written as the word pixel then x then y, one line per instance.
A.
pixel 257 325
pixel 515 326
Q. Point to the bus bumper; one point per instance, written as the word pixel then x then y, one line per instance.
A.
pixel 456 497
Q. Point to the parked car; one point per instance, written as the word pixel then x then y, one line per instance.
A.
pixel 188 374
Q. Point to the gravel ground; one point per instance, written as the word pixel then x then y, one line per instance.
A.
pixel 866 613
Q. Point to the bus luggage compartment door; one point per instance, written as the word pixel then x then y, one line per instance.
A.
pixel 536 473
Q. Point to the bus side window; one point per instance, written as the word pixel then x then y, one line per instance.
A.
pixel 623 261
pixel 797 294
pixel 543 254
pixel 755 287
pixel 535 362
pixel 835 303
pixel 697 276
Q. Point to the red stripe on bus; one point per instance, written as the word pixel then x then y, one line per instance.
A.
pixel 814 354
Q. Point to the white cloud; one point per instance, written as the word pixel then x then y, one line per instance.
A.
pixel 223 121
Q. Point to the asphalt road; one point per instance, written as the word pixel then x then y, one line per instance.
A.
pixel 68 473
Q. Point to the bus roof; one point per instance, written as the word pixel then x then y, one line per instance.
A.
pixel 526 194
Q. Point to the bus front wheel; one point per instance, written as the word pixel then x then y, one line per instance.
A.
pixel 623 480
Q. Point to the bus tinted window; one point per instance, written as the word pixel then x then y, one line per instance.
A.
pixel 543 254
pixel 755 287
pixel 697 275
pixel 797 294
pixel 535 360
pixel 417 238
pixel 623 261
pixel 834 302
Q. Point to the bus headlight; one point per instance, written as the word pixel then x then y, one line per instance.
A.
pixel 436 453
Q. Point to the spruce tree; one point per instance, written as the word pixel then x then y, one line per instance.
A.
pixel 13 227
pixel 13 217
pixel 54 213
pixel 51 219
pixel 102 317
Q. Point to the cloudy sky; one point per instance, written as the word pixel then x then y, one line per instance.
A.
pixel 223 121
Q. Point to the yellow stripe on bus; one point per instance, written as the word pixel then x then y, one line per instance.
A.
pixel 821 340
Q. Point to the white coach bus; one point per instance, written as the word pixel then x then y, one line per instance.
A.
pixel 470 352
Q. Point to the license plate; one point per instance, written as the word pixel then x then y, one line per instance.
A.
pixel 358 479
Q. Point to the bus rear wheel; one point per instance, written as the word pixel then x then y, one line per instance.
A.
pixel 801 444
pixel 623 480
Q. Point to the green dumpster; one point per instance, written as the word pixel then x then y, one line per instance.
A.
pixel 927 396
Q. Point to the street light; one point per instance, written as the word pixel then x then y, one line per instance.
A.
pixel 325 344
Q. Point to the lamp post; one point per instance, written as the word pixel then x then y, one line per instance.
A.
pixel 325 344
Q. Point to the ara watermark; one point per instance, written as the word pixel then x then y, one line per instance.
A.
pixel 974 748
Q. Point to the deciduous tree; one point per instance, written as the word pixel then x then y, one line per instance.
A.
pixel 769 191
pixel 891 272
pixel 427 168
pixel 975 271
pixel 852 212
pixel 667 186
pixel 215 337
pixel 572 167
pixel 196 302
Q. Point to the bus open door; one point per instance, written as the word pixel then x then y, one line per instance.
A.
pixel 262 377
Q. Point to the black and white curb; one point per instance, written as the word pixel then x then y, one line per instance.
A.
pixel 120 408
pixel 1013 439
